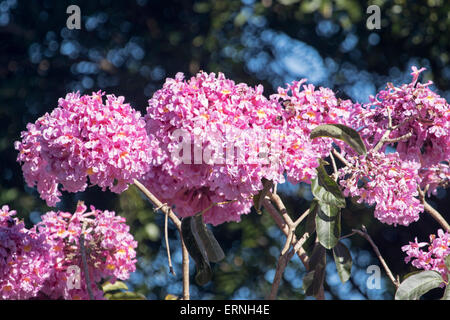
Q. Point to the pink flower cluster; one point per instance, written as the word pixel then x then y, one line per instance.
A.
pixel 108 244
pixel 213 115
pixel 433 258
pixel 24 258
pixel 304 110
pixel 419 120
pixel 388 182
pixel 414 109
pixel 36 263
pixel 84 137
pixel 208 140
pixel 435 176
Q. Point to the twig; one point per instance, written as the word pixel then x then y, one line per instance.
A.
pixel 185 258
pixel 341 157
pixel 281 265
pixel 385 137
pixel 288 242
pixel 85 265
pixel 159 205
pixel 382 140
pixel 386 134
pixel 288 227
pixel 301 218
pixel 432 211
pixel 285 229
pixel 212 205
pixel 363 233
pixel 403 137
pixel 166 236
pixel 164 208
pixel 347 236
pixel 284 258
pixel 298 247
pixel 281 207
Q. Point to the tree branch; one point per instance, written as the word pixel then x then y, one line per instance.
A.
pixel 341 157
pixel 363 233
pixel 335 170
pixel 403 137
pixel 281 265
pixel 285 229
pixel 168 211
pixel 432 211
pixel 158 204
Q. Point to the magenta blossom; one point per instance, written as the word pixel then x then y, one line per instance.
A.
pixel 386 181
pixel 304 109
pixel 109 247
pixel 434 257
pixel 435 176
pixel 85 138
pixel 212 133
pixel 416 111
pixel 24 258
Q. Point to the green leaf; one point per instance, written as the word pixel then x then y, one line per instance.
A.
pixel 313 280
pixel 317 259
pixel 341 132
pixel 330 186
pixel 343 260
pixel 310 226
pixel 197 251
pixel 327 212
pixel 326 196
pixel 417 285
pixel 447 262
pixel 118 285
pixel 127 295
pixel 410 274
pixel 328 225
pixel 307 283
pixel 206 237
pixel 258 198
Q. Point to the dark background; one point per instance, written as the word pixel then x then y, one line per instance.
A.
pixel 129 47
